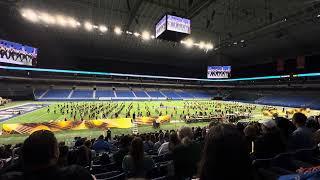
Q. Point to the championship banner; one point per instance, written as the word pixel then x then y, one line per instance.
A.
pixel 103 124
pixel 301 62
pixel 280 64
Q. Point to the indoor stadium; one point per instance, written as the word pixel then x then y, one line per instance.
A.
pixel 160 89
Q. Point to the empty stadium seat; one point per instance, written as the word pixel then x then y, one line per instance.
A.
pixel 82 94
pixel 141 94
pixel 155 94
pixel 171 95
pixel 125 94
pixel 104 93
pixel 57 94
pixel 39 92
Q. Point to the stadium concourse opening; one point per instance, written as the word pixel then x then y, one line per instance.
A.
pixel 159 90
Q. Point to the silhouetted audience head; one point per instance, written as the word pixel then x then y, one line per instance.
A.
pixel 251 131
pixel 137 151
pixel 100 137
pixel 285 126
pixel 268 126
pixel 63 157
pixel 316 137
pixel 185 135
pixel 299 119
pixel 40 150
pixel 225 149
pixel 173 141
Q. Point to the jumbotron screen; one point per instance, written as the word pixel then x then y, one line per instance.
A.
pixel 173 23
pixel 219 72
pixel 15 53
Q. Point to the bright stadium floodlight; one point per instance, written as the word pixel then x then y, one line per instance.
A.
pixel 117 30
pixel 103 28
pixel 72 22
pixel 61 20
pixel 88 26
pixel 30 15
pixel 188 43
pixel 202 45
pixel 145 35
pixel 47 18
pixel 153 37
pixel 136 34
pixel 209 46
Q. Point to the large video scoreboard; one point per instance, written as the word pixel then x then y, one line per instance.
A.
pixel 219 72
pixel 173 28
pixel 18 54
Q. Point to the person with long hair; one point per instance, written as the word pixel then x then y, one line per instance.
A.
pixel 225 155
pixel 137 164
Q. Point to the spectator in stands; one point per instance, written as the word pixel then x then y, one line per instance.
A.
pixel 186 156
pixel 285 126
pixel 40 155
pixel 63 155
pixel 270 142
pixel 123 151
pixel 240 126
pixel 169 146
pixel 225 155
pixel 312 124
pixel 101 145
pixel 147 143
pixel 159 142
pixel 83 156
pixel 137 164
pixel 316 137
pixel 109 134
pixel 251 132
pixel 88 144
pixel 302 136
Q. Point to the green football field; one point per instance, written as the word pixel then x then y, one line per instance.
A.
pixel 58 111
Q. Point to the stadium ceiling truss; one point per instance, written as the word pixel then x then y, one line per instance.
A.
pixel 240 30
pixel 223 21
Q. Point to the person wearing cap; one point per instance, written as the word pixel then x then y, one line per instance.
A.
pixel 270 142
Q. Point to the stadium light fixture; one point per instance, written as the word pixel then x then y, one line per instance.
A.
pixel 153 37
pixel 47 18
pixel 128 32
pixel 61 20
pixel 30 15
pixel 103 28
pixel 136 34
pixel 72 22
pixel 117 30
pixel 209 46
pixel 88 26
pixel 145 35
pixel 188 43
pixel 202 45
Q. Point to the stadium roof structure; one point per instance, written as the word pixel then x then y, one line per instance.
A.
pixel 243 33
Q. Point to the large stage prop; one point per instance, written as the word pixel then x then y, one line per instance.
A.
pixel 103 124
